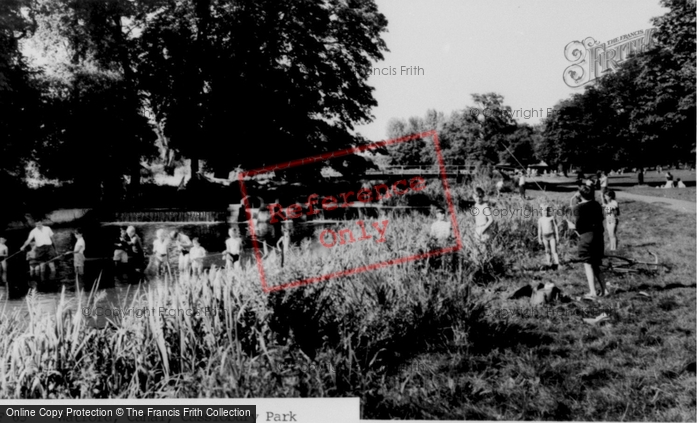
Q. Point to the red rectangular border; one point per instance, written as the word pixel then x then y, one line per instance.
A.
pixel 341 153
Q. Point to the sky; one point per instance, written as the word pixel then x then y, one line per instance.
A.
pixel 513 48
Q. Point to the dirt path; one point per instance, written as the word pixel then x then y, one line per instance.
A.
pixel 679 205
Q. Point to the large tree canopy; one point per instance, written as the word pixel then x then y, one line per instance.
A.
pixel 260 82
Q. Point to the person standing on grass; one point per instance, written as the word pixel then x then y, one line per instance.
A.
pixel 521 184
pixel 283 244
pixel 548 235
pixel 589 225
pixel 612 216
pixel 483 218
pixel 45 248
pixel 603 179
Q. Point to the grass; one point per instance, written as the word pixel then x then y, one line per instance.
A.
pixel 685 194
pixel 442 345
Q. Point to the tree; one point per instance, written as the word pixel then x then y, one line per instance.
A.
pixel 260 82
pixel 416 152
pixel 92 133
pixel 19 102
pixel 101 40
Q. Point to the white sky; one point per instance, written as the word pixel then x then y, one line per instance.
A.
pixel 514 48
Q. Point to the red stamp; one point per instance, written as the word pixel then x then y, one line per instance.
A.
pixel 384 243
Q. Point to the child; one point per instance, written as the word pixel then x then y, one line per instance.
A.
pixel 182 245
pixel 197 253
pixel 233 250
pixel 440 230
pixel 160 253
pixel 548 235
pixel 136 255
pixel 121 246
pixel 612 213
pixel 79 256
pixel 3 255
pixel 591 245
pixel 521 184
pixel 283 243
pixel 679 183
pixel 482 216
pixel 32 260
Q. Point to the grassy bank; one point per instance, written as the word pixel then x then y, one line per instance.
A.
pixel 442 344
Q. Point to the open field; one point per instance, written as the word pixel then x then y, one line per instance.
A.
pixel 444 344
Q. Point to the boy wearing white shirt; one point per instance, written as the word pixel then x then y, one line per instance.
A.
pixel 45 250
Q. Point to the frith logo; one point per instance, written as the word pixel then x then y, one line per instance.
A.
pixel 592 59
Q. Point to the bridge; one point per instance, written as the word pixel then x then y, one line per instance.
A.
pixel 414 170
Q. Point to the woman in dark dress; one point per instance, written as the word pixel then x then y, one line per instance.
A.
pixel 589 225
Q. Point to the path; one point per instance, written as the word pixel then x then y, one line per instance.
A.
pixel 678 205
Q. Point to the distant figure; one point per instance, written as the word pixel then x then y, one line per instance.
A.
pixel 182 245
pixel 521 184
pixel 32 259
pixel 499 185
pixel 603 180
pixel 79 256
pixel 669 177
pixel 283 244
pixel 160 253
pixel 197 254
pixel 640 177
pixel 4 252
pixel 441 229
pixel 591 245
pixel 612 216
pixel 136 254
pixel 233 250
pixel 482 219
pixel 548 235
pixel 121 248
pixel 45 249
pixel 679 183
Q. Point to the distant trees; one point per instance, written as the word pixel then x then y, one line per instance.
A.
pixel 643 114
pixel 482 134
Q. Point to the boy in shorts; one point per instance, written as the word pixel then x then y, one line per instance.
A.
pixel 233 250
pixel 79 256
pixel 483 218
pixel 548 235
pixel 121 246
pixel 197 253
pixel 32 260
pixel 3 255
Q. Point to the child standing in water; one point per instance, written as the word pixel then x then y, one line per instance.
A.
pixel 233 250
pixel 79 256
pixel 197 253
pixel 612 216
pixel 32 260
pixel 160 253
pixel 548 235
pixel 3 255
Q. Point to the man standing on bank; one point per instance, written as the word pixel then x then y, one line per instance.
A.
pixel 45 248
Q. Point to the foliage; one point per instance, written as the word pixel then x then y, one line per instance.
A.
pixel 643 114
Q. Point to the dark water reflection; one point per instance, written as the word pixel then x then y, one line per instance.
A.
pixel 99 239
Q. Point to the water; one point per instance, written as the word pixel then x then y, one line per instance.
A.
pixel 99 240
